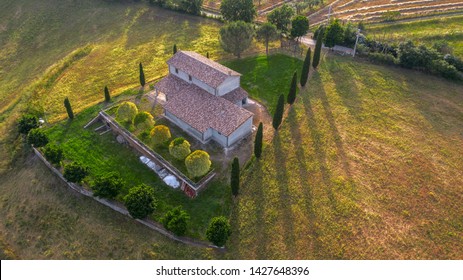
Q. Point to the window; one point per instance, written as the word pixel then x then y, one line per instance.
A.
pixel 189 78
pixel 176 70
pixel 243 102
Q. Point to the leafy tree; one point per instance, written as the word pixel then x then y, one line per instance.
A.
pixel 266 33
pixel 67 104
pixel 107 97
pixel 37 138
pixel 108 186
pixel 191 6
pixel 126 112
pixel 198 163
pixel 160 134
pixel 179 148
pixel 235 177
pixel 27 122
pixel 75 172
pixel 334 34
pixel 53 154
pixel 142 75
pixel 349 35
pixel 218 231
pixel 236 37
pixel 318 48
pixel 174 49
pixel 292 89
pixel 278 115
pixel 176 220
pixel 143 120
pixel 299 26
pixel 258 141
pixel 238 10
pixel 281 17
pixel 305 68
pixel 140 201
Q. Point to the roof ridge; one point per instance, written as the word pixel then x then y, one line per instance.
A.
pixel 195 53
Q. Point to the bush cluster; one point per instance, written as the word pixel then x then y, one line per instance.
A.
pixel 176 220
pixel 198 163
pixel 140 201
pixel 179 148
pixel 188 6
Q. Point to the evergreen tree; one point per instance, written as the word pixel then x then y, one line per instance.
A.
pixel 142 76
pixel 175 49
pixel 235 177
pixel 266 33
pixel 318 49
pixel 292 89
pixel 67 104
pixel 334 34
pixel 258 141
pixel 107 97
pixel 207 54
pixel 278 116
pixel 236 36
pixel 305 68
pixel 234 10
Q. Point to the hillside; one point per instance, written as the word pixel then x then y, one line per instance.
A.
pixel 368 165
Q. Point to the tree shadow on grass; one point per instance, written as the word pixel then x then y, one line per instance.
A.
pixel 307 188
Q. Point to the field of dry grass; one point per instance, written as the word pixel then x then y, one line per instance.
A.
pixel 368 165
pixel 374 10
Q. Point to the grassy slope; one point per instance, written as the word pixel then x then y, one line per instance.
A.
pixel 368 164
pixel 266 78
pixel 102 154
pixel 425 31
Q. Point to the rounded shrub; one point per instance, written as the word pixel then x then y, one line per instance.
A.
pixel 143 120
pixel 37 138
pixel 140 201
pixel 218 231
pixel 107 186
pixel 179 148
pixel 75 172
pixel 126 112
pixel 53 154
pixel 27 122
pixel 176 220
pixel 160 134
pixel 198 163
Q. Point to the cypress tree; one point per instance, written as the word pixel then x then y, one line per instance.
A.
pixel 292 89
pixel 278 116
pixel 107 97
pixel 305 68
pixel 67 104
pixel 235 177
pixel 207 54
pixel 318 48
pixel 175 49
pixel 258 141
pixel 142 76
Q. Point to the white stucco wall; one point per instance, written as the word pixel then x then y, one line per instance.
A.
pixel 184 126
pixel 219 138
pixel 244 130
pixel 228 85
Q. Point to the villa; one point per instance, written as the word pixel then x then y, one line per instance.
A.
pixel 205 99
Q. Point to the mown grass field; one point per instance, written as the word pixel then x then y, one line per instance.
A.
pixel 367 165
pixel 448 29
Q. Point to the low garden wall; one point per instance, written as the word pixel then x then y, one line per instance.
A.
pixel 118 207
pixel 189 187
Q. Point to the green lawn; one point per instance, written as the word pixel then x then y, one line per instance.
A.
pixel 265 78
pixel 449 29
pixel 102 154
pixel 367 165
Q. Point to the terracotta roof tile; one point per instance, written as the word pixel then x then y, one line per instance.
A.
pixel 171 85
pixel 202 110
pixel 236 95
pixel 202 68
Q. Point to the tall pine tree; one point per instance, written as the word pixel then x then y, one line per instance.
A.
pixel 107 97
pixel 142 76
pixel 67 104
pixel 318 48
pixel 258 141
pixel 305 68
pixel 292 89
pixel 235 177
pixel 278 116
pixel 174 50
